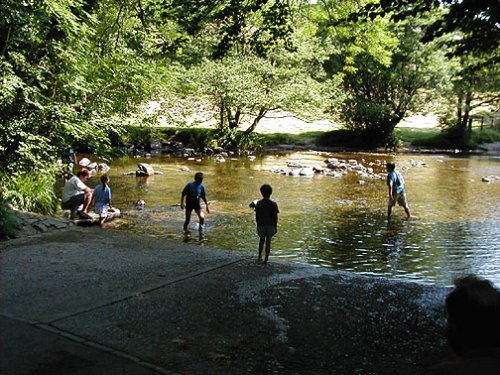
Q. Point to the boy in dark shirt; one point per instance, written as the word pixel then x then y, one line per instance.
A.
pixel 266 216
pixel 191 194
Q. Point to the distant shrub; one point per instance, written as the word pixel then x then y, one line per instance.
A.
pixel 344 138
pixel 485 136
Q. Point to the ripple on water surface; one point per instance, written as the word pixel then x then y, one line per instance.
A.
pixel 336 222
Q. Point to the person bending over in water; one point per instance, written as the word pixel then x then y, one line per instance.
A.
pixel 397 192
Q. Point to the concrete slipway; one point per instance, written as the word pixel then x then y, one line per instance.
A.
pixel 91 301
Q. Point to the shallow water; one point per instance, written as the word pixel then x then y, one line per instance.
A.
pixel 334 222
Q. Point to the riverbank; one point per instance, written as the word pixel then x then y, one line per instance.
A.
pixel 98 301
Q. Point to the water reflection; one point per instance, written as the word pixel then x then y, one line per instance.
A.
pixel 334 222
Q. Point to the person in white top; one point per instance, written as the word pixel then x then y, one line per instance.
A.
pixel 76 194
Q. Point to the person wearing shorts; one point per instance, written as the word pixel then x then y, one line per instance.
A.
pixel 190 200
pixel 397 193
pixel 266 217
pixel 76 194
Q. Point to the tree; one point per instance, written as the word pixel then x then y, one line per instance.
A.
pixel 469 90
pixel 477 22
pixel 467 30
pixel 243 90
pixel 254 25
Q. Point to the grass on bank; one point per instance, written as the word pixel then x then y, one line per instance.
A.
pixel 200 138
pixel 442 139
pixel 435 138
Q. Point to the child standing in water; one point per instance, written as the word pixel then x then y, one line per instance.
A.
pixel 396 185
pixel 191 194
pixel 266 216
pixel 102 199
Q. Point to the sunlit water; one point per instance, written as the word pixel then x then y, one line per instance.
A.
pixel 333 222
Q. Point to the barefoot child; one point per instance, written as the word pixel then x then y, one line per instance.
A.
pixel 397 193
pixel 102 199
pixel 191 194
pixel 266 216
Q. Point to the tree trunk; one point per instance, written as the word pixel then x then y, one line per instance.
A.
pixel 467 108
pixel 256 121
pixel 234 121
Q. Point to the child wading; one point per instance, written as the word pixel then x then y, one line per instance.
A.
pixel 266 216
pixel 397 193
pixel 192 193
pixel 102 199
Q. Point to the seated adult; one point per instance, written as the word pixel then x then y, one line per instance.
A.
pixel 473 330
pixel 76 194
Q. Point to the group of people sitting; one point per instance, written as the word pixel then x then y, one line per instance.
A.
pixel 78 197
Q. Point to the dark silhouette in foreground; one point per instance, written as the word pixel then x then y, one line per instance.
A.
pixel 473 330
pixel 266 217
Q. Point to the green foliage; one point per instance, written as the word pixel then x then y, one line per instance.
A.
pixel 380 96
pixel 78 73
pixel 243 89
pixel 415 135
pixel 224 25
pixel 32 192
pixel 369 121
pixel 477 22
pixel 192 137
pixel 343 138
pixel 140 137
pixel 472 90
pixel 485 136
pixel 8 222
pixel 446 138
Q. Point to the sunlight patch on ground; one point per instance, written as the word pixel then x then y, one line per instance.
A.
pixel 276 121
pixel 284 122
pixel 419 121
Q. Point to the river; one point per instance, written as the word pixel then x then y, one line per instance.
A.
pixel 337 223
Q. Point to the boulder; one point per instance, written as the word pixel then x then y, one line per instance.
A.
pixel 219 158
pixel 144 169
pixel 490 178
pixel 84 162
pixel 155 144
pixel 103 168
pixel 294 164
pixel 306 172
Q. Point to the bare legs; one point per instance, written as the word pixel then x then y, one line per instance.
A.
pixel 187 220
pixel 201 218
pixel 88 199
pixel 407 210
pixel 267 241
pixel 389 212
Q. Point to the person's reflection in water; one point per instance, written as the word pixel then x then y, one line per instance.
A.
pixel 393 244
pixel 473 329
pixel 141 183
